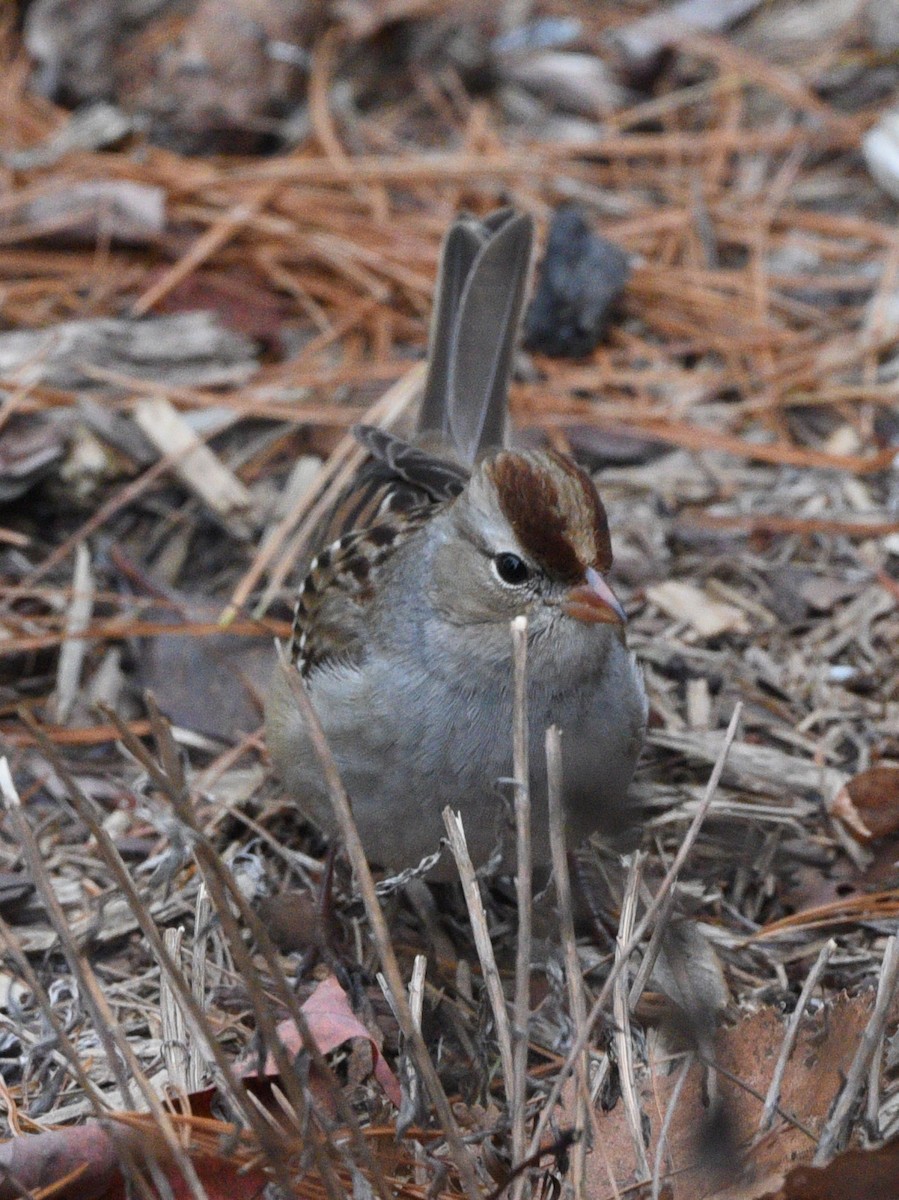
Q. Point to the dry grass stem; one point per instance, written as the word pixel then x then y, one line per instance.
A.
pixel 517 1085
pixel 198 1067
pixel 835 1131
pixel 481 935
pixel 175 1044
pixel 670 1111
pixel 121 1058
pixel 792 1033
pixel 72 651
pixel 622 1012
pixel 648 917
pixel 362 872
pixel 573 977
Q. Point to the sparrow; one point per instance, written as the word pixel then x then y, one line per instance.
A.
pixel 401 631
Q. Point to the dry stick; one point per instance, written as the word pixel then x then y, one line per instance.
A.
pixel 223 887
pixel 63 1041
pixel 175 1053
pixel 792 1034
pixel 837 1126
pixel 524 898
pixel 574 979
pixel 197 1067
pixel 667 884
pixel 622 1012
pixel 483 944
pixel 380 933
pixel 85 809
pixel 336 473
pixel 666 1126
pixel 161 1114
pixel 289 1080
pixel 652 950
pixel 116 1048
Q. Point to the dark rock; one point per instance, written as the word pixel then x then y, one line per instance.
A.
pixel 580 277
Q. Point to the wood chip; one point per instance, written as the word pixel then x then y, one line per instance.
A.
pixel 686 602
pixel 71 656
pixel 185 350
pixel 193 462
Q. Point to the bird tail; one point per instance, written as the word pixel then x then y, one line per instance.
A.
pixel 477 312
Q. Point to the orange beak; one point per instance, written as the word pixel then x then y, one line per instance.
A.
pixel 594 602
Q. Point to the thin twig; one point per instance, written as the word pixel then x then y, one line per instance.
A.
pixel 666 1126
pixel 121 1057
pixel 483 945
pixel 517 1084
pixel 836 1129
pixel 573 977
pixel 380 933
pixel 478 918
pixel 792 1034
pixel 622 1013
pixel 665 887
pixel 653 948
pixel 86 811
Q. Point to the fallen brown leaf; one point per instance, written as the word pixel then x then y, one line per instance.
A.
pixel 333 1022
pixel 869 804
pixel 84 1154
pixel 747 1053
pixel 855 1175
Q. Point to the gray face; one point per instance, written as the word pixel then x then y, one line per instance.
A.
pixel 478 575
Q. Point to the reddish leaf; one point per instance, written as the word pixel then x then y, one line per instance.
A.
pixel 332 1022
pixel 748 1052
pixel 236 297
pixel 855 1175
pixel 83 1153
pixel 222 1179
pixel 869 804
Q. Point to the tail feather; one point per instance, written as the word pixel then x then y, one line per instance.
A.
pixel 460 249
pixel 480 297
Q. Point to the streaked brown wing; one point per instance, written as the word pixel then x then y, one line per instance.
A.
pixel 330 615
pixel 397 478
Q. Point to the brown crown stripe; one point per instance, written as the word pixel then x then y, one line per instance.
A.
pixel 597 521
pixel 562 540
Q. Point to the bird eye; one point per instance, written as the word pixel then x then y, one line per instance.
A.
pixel 511 569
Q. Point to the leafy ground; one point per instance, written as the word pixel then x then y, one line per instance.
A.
pixel 210 267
